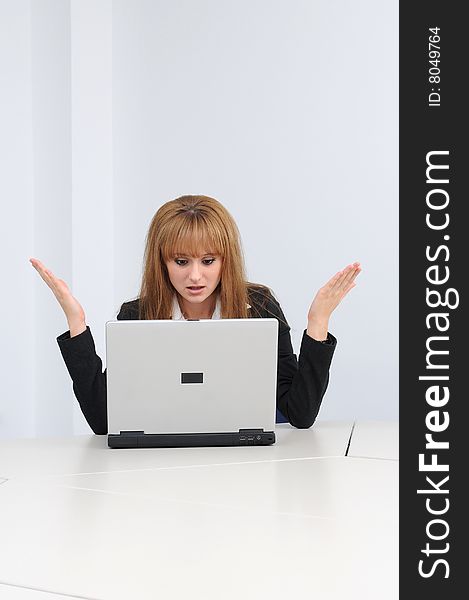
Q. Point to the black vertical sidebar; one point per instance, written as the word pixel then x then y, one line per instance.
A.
pixel 434 244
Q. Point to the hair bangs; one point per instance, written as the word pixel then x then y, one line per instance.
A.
pixel 192 235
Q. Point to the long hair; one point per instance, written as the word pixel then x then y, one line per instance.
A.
pixel 190 225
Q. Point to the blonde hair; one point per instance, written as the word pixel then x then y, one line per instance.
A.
pixel 190 225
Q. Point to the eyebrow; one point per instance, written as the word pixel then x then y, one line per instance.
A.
pixel 183 254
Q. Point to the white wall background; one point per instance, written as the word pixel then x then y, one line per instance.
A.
pixel 285 110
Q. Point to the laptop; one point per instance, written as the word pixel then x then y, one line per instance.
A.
pixel 191 383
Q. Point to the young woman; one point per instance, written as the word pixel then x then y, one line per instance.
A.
pixel 193 269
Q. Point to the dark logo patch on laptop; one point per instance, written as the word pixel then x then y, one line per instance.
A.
pixel 192 377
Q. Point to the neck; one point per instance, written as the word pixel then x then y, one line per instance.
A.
pixel 204 310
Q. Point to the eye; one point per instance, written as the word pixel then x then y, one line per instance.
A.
pixel 208 261
pixel 181 262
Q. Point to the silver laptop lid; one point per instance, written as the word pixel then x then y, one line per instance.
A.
pixel 191 376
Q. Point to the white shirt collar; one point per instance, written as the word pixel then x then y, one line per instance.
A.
pixel 178 316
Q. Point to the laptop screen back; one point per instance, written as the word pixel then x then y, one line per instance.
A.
pixel 191 376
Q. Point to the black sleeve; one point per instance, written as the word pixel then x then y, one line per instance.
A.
pixel 89 382
pixel 302 383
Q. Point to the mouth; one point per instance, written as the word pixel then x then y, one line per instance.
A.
pixel 195 289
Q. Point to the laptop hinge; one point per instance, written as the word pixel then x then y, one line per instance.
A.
pixel 132 432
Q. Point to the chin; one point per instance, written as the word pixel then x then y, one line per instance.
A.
pixel 195 299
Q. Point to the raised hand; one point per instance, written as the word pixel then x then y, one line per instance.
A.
pixel 72 308
pixel 328 298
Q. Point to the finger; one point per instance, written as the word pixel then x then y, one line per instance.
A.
pixel 46 274
pixel 352 266
pixel 356 271
pixel 350 273
pixel 338 280
pixel 347 290
pixel 332 283
pixel 37 264
pixel 334 279
pixel 42 272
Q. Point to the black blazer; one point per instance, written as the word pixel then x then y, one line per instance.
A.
pixel 301 383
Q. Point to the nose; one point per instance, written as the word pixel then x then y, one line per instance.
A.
pixel 195 273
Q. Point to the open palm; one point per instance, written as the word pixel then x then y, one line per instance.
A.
pixel 333 292
pixel 70 305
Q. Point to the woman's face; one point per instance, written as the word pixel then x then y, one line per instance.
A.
pixel 195 278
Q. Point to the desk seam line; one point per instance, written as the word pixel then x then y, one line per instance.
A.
pixel 350 438
pixel 37 589
pixel 373 457
pixel 247 462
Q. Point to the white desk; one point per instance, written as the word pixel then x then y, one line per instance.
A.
pixel 41 457
pixel 299 518
pixel 9 592
pixel 375 439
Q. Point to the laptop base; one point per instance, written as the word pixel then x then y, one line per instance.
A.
pixel 140 439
